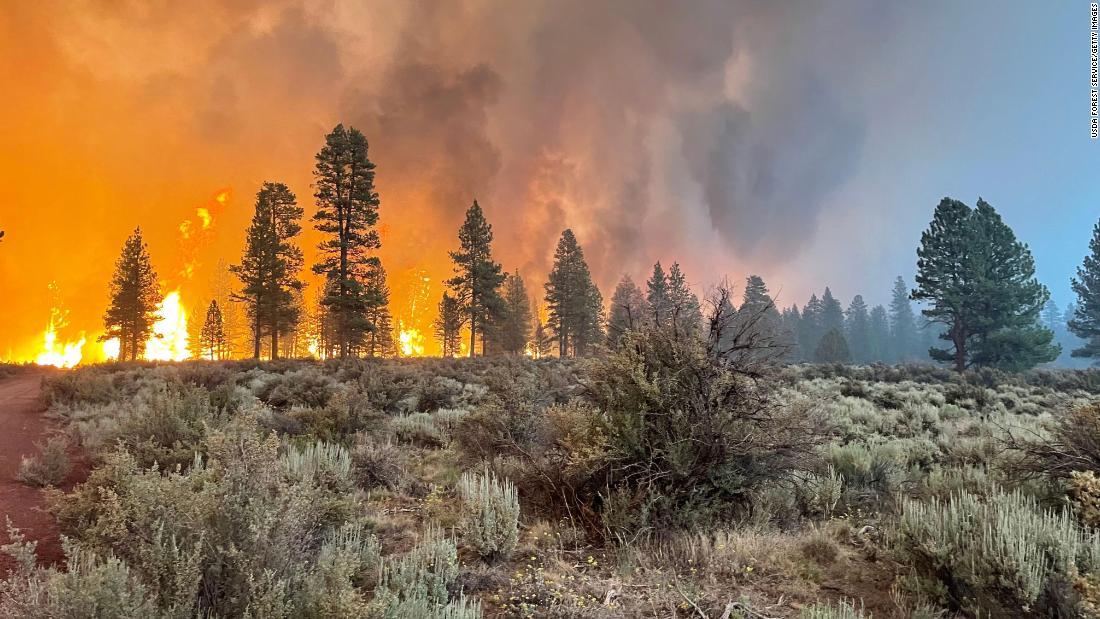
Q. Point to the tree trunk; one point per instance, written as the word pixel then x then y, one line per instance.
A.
pixel 960 346
pixel 473 323
pixel 274 343
pixel 256 334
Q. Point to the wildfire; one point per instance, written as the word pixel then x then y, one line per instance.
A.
pixel 415 317
pixel 169 339
pixel 195 232
pixel 411 342
pixel 59 354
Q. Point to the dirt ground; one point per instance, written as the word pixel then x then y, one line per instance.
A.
pixel 22 424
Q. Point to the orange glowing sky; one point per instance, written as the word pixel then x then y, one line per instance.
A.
pixel 806 143
pixel 119 115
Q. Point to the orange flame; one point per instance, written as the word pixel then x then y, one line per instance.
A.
pixel 411 342
pixel 415 320
pixel 55 353
pixel 169 339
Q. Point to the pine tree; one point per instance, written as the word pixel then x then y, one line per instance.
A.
pixel 134 298
pixel 628 310
pixel 903 327
pixel 810 329
pixel 269 267
pixel 378 340
pixel 448 325
pixel 1085 323
pixel 981 283
pixel 685 311
pixel 657 296
pixel 514 330
pixel 542 339
pixel 347 212
pixel 791 321
pixel 477 279
pixel 879 336
pixel 832 313
pixel 1051 315
pixel 759 316
pixel 212 338
pixel 833 348
pixel 858 330
pixel 574 303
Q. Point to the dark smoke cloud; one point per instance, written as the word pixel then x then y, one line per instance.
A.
pixel 563 114
pixel 709 132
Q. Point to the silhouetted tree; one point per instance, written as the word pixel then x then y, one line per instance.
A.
pixel 269 267
pixel 477 279
pixel 903 325
pixel 514 328
pixel 833 348
pixel 134 298
pixel 574 303
pixel 685 311
pixel 1051 315
pixel 810 329
pixel 628 310
pixel 879 335
pixel 858 330
pixel 347 212
pixel 832 313
pixel 981 283
pixel 658 301
pixel 791 321
pixel 212 338
pixel 448 325
pixel 378 340
pixel 542 339
pixel 1085 323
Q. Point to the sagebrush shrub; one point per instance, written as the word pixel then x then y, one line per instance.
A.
pixel 319 462
pixel 490 514
pixel 1000 555
pixel 89 586
pixel 418 429
pixel 50 467
pixel 418 583
pixel 842 610
pixel 376 463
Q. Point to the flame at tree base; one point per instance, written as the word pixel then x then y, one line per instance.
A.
pixel 169 339
pixel 65 355
pixel 410 342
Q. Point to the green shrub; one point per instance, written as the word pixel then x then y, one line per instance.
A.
pixel 490 514
pixel 49 467
pixel 690 432
pixel 1001 556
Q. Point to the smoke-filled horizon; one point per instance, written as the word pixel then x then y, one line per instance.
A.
pixel 805 143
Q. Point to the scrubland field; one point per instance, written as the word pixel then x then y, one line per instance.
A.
pixel 651 482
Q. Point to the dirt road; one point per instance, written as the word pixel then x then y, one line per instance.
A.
pixel 22 424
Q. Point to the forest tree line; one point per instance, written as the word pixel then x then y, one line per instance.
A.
pixel 981 303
